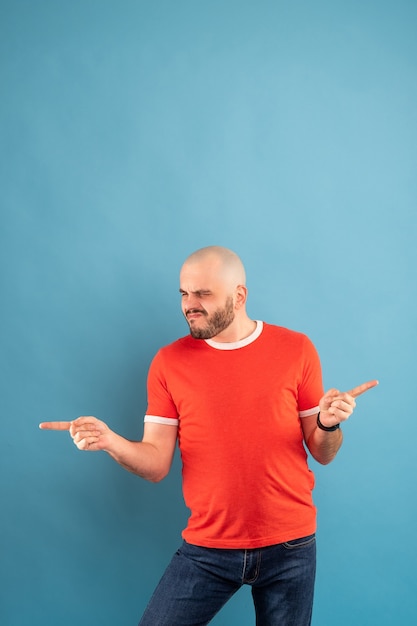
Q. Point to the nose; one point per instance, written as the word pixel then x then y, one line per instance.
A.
pixel 190 302
pixel 192 305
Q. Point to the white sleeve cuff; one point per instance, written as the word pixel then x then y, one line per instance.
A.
pixel 155 419
pixel 309 412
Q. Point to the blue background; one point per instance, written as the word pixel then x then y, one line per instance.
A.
pixel 133 133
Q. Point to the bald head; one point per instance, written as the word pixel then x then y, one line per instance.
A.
pixel 220 261
pixel 213 295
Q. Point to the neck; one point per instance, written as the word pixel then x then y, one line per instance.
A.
pixel 239 329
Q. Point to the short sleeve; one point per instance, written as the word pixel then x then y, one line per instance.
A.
pixel 161 408
pixel 310 389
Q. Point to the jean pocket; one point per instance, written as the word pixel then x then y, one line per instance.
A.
pixel 299 543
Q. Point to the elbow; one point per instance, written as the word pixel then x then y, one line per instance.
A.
pixel 156 479
pixel 325 461
pixel 158 475
pixel 323 458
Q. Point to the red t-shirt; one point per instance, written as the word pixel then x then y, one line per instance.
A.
pixel 238 409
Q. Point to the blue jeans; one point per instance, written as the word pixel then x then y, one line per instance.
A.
pixel 199 581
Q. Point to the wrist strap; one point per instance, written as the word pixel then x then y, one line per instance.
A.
pixel 328 429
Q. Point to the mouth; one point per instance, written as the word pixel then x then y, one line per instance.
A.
pixel 194 314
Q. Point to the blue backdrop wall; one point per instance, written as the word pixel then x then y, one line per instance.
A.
pixel 132 133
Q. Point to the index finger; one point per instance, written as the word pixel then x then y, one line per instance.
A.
pixel 357 391
pixel 55 425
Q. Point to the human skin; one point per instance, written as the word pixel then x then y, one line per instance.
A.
pixel 213 299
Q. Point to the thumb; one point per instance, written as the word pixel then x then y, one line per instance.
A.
pixel 328 398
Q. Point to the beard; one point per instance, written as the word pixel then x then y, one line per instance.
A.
pixel 216 322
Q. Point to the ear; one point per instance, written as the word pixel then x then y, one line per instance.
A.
pixel 241 294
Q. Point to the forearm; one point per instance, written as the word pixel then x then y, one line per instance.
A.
pixel 139 457
pixel 323 445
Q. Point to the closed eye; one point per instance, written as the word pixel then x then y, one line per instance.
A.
pixel 199 293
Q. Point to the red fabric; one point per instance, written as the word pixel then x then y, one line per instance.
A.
pixel 245 474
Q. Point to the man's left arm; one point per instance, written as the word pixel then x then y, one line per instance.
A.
pixel 321 431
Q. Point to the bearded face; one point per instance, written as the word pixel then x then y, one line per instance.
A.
pixel 204 325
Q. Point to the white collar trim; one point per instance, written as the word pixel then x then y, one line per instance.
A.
pixel 234 345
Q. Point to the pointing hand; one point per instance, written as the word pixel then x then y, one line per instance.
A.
pixel 88 433
pixel 337 406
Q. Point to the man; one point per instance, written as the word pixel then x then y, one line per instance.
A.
pixel 242 398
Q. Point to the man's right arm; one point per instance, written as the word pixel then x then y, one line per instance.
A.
pixel 150 458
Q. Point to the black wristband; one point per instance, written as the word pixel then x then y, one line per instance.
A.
pixel 328 429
